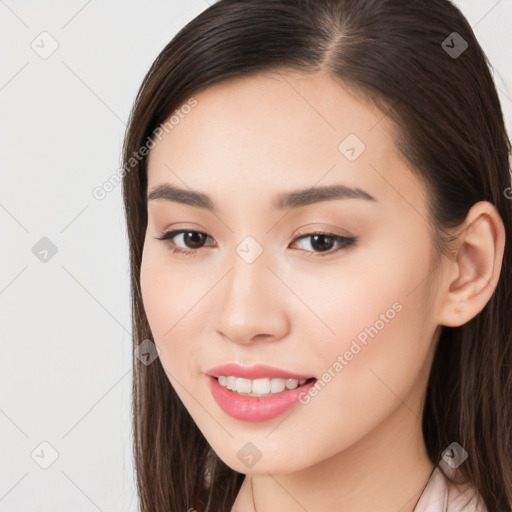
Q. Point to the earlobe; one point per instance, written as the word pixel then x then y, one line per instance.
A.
pixel 476 266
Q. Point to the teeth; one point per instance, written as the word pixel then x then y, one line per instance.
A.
pixel 277 385
pixel 258 387
pixel 231 383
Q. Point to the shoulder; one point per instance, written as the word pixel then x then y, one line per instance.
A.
pixel 465 498
pixel 440 495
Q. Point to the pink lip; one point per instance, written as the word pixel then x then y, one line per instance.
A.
pixel 258 371
pixel 255 408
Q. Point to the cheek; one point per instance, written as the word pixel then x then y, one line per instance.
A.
pixel 384 294
pixel 157 296
pixel 365 296
pixel 169 298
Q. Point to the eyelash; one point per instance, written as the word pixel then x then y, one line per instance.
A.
pixel 342 241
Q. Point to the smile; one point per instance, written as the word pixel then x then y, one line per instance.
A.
pixel 256 407
pixel 258 387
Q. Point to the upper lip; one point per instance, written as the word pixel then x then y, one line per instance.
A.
pixel 257 371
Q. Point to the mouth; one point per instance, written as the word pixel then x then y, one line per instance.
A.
pixel 257 400
pixel 261 387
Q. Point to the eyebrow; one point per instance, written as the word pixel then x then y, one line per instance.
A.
pixel 294 199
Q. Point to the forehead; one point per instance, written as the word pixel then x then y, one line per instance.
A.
pixel 272 112
pixel 281 131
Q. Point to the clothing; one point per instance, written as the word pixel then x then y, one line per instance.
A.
pixel 440 495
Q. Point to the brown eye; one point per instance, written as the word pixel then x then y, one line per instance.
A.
pixel 192 240
pixel 325 242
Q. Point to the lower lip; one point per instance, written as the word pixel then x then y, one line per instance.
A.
pixel 256 408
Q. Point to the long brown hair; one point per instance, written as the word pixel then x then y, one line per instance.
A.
pixel 450 129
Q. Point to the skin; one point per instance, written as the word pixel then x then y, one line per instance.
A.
pixel 357 445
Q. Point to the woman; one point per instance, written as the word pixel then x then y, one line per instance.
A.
pixel 318 205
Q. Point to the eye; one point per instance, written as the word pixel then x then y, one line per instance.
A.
pixel 323 242
pixel 193 240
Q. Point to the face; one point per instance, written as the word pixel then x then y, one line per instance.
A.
pixel 332 286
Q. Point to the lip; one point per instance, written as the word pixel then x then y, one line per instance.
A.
pixel 258 371
pixel 255 408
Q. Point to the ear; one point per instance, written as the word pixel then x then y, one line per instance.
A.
pixel 471 275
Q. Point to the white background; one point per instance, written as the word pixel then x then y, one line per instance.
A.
pixel 65 362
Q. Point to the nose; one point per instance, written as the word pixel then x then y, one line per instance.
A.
pixel 252 303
